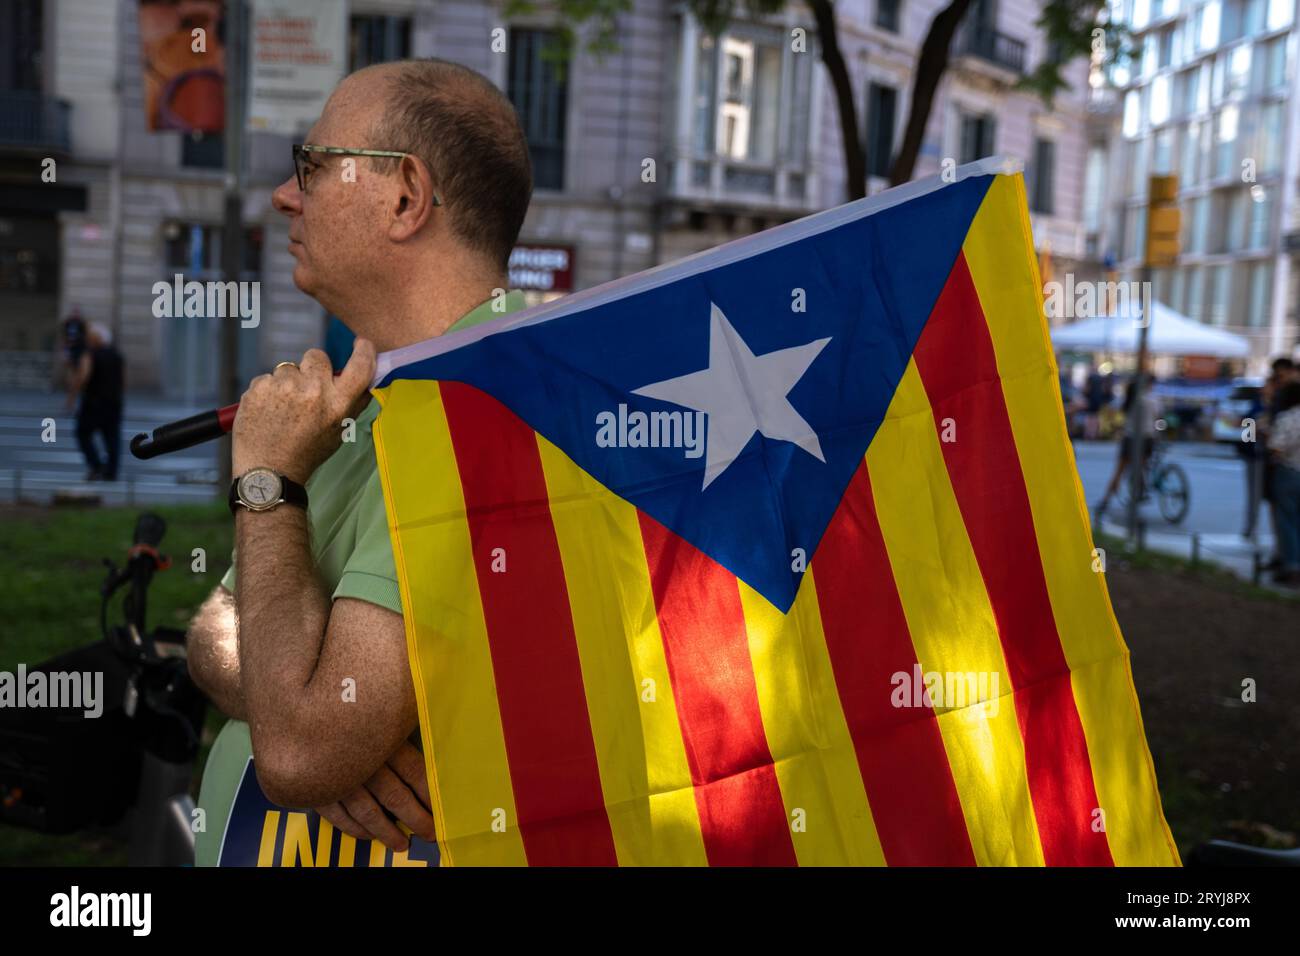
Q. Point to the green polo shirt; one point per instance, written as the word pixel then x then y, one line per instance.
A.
pixel 354 558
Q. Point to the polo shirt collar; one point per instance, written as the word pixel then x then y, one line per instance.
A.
pixel 483 312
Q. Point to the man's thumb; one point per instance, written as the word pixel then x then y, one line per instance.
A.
pixel 356 375
pixel 353 382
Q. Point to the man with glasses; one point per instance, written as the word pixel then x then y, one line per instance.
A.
pixel 405 202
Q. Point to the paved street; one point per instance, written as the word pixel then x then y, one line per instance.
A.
pixel 34 470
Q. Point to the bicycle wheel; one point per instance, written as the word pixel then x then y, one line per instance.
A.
pixel 1122 495
pixel 1174 492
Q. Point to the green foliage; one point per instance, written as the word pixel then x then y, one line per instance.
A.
pixel 1067 25
pixel 599 18
pixel 1071 30
pixel 714 15
pixel 1070 27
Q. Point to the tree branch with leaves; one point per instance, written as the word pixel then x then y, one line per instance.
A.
pixel 1069 28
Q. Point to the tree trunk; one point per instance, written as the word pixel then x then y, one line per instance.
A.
pixel 930 67
pixel 855 160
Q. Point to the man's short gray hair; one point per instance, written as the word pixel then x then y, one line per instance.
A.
pixel 468 134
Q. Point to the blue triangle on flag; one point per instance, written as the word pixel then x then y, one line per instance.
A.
pixel 866 284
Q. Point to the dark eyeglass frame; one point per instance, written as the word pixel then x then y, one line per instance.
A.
pixel 299 159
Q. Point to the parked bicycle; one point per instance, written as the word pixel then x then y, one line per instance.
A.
pixel 1166 481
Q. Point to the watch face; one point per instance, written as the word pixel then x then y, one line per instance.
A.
pixel 260 488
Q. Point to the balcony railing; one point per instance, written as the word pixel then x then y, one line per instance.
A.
pixel 711 179
pixel 33 121
pixel 993 47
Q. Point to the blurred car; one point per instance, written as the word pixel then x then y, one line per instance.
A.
pixel 1235 406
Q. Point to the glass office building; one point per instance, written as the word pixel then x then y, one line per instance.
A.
pixel 1209 94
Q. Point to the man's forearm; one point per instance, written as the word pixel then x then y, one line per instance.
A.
pixel 301 653
pixel 220 680
pixel 283 613
pixel 212 650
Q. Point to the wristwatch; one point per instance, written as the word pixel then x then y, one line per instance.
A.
pixel 261 489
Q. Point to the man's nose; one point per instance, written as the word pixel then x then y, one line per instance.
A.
pixel 287 198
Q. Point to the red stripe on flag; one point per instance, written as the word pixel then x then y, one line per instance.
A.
pixel 549 745
pixel 958 365
pixel 742 816
pixel 900 751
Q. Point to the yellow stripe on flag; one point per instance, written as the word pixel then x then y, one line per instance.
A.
pixel 952 625
pixel 446 636
pixel 816 764
pixel 644 774
pixel 1009 293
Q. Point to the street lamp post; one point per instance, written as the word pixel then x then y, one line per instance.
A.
pixel 1133 426
pixel 1162 237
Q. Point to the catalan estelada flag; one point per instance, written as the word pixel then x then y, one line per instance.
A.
pixel 775 555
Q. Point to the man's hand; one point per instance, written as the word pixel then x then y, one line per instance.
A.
pixel 401 786
pixel 290 421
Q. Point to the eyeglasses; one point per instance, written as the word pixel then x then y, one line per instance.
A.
pixel 304 167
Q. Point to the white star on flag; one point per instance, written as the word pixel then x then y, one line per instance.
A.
pixel 742 393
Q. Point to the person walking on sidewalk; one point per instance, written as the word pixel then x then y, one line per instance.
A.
pixel 100 378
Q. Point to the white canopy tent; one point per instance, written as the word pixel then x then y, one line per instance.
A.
pixel 1171 333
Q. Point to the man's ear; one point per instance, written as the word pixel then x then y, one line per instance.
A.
pixel 414 202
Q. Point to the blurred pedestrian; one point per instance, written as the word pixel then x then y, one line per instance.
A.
pixel 1283 373
pixel 101 380
pixel 72 335
pixel 1284 442
pixel 1097 395
pixel 1254 456
pixel 1146 412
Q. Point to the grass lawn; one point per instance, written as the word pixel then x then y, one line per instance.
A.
pixel 51 568
pixel 1226 768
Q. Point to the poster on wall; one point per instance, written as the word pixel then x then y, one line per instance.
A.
pixel 298 53
pixel 184 65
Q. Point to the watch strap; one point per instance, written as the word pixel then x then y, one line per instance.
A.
pixel 293 493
